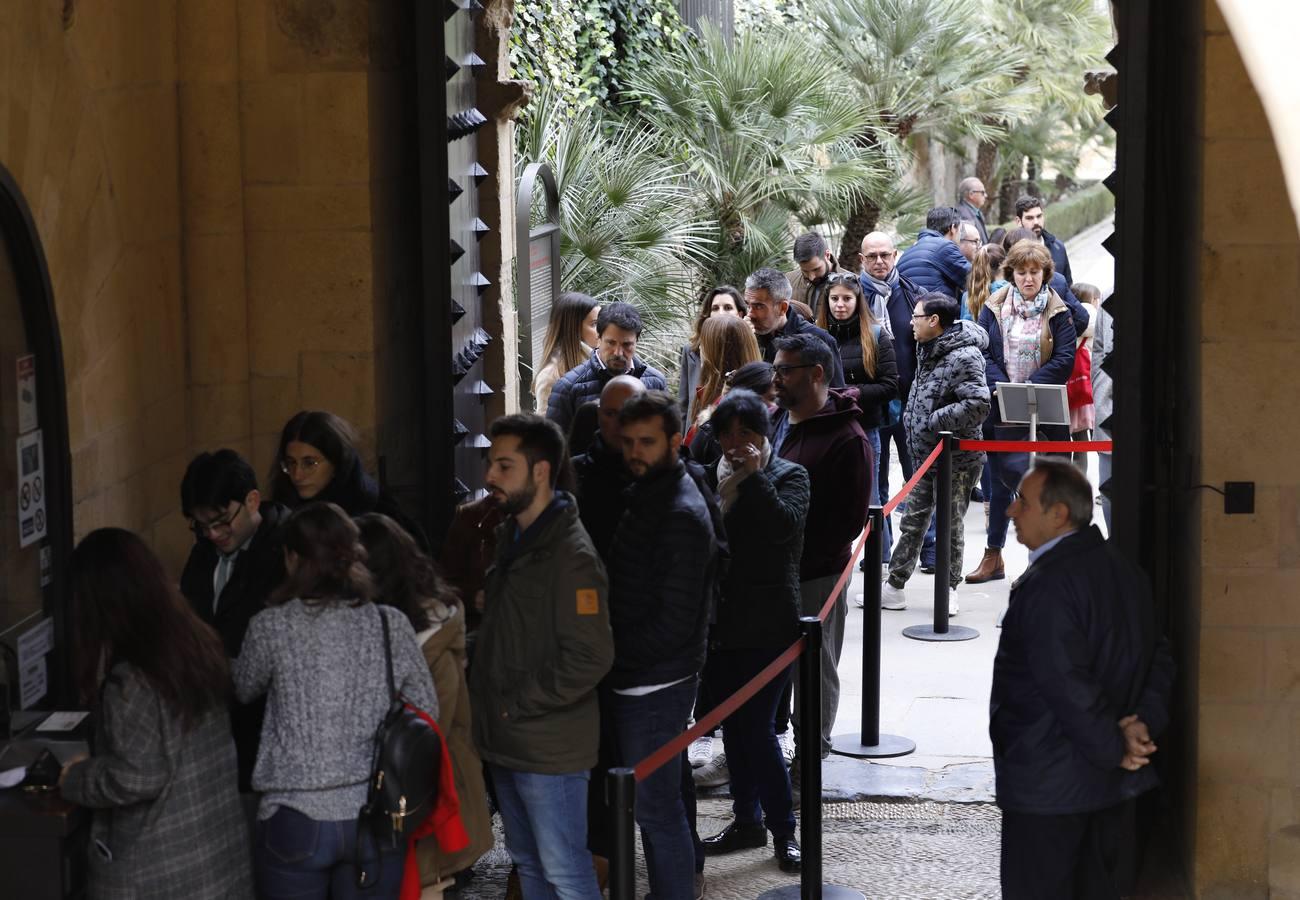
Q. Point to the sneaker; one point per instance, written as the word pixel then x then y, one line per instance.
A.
pixel 701 751
pixel 859 600
pixel 786 742
pixel 712 774
pixel 892 597
pixel 953 608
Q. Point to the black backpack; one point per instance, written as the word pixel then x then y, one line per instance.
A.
pixel 404 772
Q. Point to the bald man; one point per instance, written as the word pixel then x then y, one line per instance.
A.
pixel 599 472
pixel 892 298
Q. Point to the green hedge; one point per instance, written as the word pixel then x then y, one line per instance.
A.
pixel 1077 212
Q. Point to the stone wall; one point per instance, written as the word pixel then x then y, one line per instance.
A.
pixel 217 185
pixel 1247 785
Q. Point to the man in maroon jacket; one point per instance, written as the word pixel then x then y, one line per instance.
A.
pixel 818 428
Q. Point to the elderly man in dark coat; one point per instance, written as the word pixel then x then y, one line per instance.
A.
pixel 1081 686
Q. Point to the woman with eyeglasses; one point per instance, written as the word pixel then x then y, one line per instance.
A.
pixel 867 353
pixel 723 300
pixel 318 461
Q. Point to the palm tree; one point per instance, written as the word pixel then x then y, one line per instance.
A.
pixel 768 134
pixel 630 227
pixel 921 67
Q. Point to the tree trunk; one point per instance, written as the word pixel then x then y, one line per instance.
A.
pixel 1009 192
pixel 986 170
pixel 1031 176
pixel 862 221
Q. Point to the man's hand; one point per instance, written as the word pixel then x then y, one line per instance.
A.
pixel 1138 746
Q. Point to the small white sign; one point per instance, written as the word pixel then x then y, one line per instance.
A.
pixel 31 684
pixel 27 415
pixel 62 721
pixel 35 642
pixel 32 524
pixel 47 566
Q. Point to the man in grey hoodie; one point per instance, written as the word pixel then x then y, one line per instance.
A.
pixel 949 393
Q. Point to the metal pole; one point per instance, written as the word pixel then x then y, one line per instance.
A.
pixel 810 724
pixel 940 629
pixel 620 794
pixel 943 534
pixel 870 743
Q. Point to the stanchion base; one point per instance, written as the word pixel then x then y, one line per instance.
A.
pixel 829 892
pixel 927 633
pixel 888 745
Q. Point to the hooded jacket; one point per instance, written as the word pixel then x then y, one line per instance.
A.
pixel 585 382
pixel 949 393
pixel 544 646
pixel 663 573
pixel 873 393
pixel 1079 650
pixel 833 448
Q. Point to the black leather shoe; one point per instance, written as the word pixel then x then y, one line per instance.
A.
pixel 787 854
pixel 735 837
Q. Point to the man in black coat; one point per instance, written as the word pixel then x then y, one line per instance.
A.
pixel 600 475
pixel 973 199
pixel 767 293
pixel 1029 214
pixel 1081 685
pixel 662 569
pixel 618 327
pixel 235 565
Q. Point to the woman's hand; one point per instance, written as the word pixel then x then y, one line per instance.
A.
pixel 745 460
pixel 67 766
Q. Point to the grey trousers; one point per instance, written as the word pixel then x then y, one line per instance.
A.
pixel 920 503
pixel 812 595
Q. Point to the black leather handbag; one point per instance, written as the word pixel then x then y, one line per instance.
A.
pixel 403 775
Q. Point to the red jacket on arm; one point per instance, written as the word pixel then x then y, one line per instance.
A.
pixel 834 449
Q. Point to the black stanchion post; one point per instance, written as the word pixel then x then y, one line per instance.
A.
pixel 620 787
pixel 870 743
pixel 810 885
pixel 940 629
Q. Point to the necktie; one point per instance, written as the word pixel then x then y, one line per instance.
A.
pixel 224 566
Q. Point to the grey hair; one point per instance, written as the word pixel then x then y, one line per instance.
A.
pixel 967 185
pixel 1063 483
pixel 770 280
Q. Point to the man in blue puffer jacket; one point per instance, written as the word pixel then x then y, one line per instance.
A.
pixel 618 328
pixel 934 262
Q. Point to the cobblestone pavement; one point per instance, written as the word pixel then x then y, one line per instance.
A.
pixel 927 851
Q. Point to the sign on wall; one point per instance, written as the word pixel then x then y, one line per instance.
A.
pixel 32 523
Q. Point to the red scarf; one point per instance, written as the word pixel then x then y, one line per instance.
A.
pixel 443 822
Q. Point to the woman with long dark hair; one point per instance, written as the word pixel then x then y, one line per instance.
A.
pixel 318 654
pixel 162 776
pixel 570 338
pixel 317 461
pixel 407 580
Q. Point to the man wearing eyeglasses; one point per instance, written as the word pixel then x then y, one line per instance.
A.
pixel 973 199
pixel 234 566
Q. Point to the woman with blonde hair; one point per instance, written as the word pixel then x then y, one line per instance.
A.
pixel 570 338
pixel 984 280
pixel 723 300
pixel 726 344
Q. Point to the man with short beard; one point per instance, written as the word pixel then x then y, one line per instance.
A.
pixel 544 646
pixel 662 577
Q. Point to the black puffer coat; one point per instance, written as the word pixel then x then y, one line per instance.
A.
pixel 585 382
pixel 874 394
pixel 662 573
pixel 601 480
pixel 760 595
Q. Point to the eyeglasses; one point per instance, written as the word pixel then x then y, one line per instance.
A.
pixel 970 240
pixel 216 526
pixel 306 464
pixel 782 371
pixel 879 257
pixel 923 315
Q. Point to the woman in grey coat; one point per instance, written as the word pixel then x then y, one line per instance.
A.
pixel 162 778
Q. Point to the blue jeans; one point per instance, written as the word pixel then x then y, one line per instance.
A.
pixel 1008 469
pixel 643 725
pixel 298 857
pixel 545 820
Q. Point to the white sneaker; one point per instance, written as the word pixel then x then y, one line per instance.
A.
pixel 892 597
pixel 953 608
pixel 701 751
pixel 713 774
pixel 786 740
pixel 858 600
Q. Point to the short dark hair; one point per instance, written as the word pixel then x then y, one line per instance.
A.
pixel 754 376
pixel 1064 483
pixel 942 219
pixel 809 245
pixel 653 404
pixel 540 440
pixel 620 314
pixel 937 303
pixel 745 407
pixel 215 480
pixel 1027 202
pixel 810 349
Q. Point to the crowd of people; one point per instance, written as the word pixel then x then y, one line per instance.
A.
pixel 638 556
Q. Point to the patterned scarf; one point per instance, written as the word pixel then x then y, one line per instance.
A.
pixel 878 295
pixel 1022 333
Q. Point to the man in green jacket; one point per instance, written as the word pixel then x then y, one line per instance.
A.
pixel 544 645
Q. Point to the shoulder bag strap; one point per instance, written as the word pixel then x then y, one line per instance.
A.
pixel 388 655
